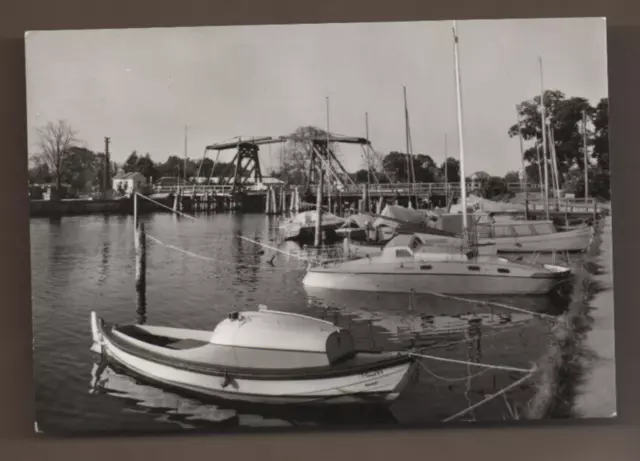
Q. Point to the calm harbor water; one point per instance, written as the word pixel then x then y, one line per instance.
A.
pixel 86 263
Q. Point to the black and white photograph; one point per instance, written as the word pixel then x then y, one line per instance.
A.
pixel 323 226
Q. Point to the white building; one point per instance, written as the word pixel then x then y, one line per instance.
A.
pixel 129 182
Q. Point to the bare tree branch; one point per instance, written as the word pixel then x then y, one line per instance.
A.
pixel 56 140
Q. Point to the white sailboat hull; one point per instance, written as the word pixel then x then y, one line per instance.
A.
pixel 573 240
pixel 451 284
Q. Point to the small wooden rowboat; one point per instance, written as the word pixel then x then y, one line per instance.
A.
pixel 258 357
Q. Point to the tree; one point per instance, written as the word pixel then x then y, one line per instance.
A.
pixel 565 120
pixel 80 169
pixel 129 165
pixel 452 170
pixel 512 177
pixel 296 155
pixel 38 170
pixel 600 140
pixel 56 140
pixel 141 164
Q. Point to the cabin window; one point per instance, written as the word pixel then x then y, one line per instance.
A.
pixel 544 228
pixel 403 254
pixel 502 270
pixel 503 231
pixel 426 267
pixel 473 268
pixel 522 230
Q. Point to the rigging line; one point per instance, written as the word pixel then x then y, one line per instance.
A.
pixel 273 248
pixel 462 362
pixel 208 258
pixel 165 206
pixel 442 378
pixel 492 396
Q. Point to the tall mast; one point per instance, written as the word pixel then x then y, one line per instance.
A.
pixel 544 142
pixel 446 167
pixel 366 122
pixel 410 171
pixel 586 158
pixel 186 128
pixel 525 180
pixel 463 181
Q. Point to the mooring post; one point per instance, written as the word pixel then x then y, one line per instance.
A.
pixel 283 201
pixel 135 212
pixel 141 259
pixel 267 202
pixel 274 201
pixel 318 234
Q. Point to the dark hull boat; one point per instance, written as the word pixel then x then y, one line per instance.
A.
pixel 263 356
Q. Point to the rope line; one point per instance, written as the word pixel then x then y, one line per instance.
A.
pixel 165 206
pixel 462 362
pixel 274 249
pixel 208 258
pixel 442 378
pixel 492 396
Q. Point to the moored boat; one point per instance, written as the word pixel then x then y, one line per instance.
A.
pixel 302 226
pixel 262 356
pixel 406 265
pixel 518 236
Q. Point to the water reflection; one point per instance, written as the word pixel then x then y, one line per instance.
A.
pixel 206 412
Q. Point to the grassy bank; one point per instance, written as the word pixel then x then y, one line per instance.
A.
pixel 562 370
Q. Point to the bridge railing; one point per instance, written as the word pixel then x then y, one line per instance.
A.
pixel 421 189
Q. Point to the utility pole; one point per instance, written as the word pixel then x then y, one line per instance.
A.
pixel 186 128
pixel 106 171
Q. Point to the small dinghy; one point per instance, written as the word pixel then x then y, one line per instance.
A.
pixel 258 357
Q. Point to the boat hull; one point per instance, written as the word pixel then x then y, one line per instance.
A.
pixel 573 241
pixel 451 284
pixel 381 385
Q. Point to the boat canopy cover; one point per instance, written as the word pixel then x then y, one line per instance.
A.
pixel 283 331
pixel 309 217
pixel 400 213
pixel 358 220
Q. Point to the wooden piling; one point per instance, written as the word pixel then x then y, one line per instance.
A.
pixel 141 259
pixel 267 205
pixel 274 201
pixel 283 201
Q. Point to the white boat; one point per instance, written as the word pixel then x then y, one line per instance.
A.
pixel 517 236
pixel 406 265
pixel 302 226
pixel 488 206
pixel 358 227
pixel 456 244
pixel 262 356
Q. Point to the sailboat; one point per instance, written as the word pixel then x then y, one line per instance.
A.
pixel 406 264
pixel 518 236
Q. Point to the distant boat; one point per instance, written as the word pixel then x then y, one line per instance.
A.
pixel 358 227
pixel 378 229
pixel 259 356
pixel 518 236
pixel 302 226
pixel 406 265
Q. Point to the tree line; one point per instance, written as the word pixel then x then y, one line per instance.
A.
pixel 63 160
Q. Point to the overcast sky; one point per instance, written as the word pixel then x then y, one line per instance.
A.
pixel 141 87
